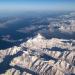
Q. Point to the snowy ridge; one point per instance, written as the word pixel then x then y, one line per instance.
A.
pixel 40 56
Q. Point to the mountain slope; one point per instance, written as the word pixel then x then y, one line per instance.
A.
pixel 39 56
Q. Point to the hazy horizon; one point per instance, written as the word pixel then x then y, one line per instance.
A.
pixel 36 5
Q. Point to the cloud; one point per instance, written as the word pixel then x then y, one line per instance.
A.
pixel 6 22
pixel 7 38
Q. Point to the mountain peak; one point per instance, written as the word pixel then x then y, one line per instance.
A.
pixel 39 36
pixel 40 52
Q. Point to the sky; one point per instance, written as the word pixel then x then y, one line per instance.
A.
pixel 36 5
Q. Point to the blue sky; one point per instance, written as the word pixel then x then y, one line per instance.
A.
pixel 24 5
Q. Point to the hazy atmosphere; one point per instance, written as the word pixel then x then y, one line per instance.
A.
pixel 28 5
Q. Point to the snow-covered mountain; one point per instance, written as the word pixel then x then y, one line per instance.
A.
pixel 39 56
